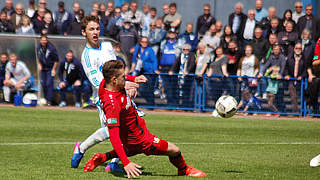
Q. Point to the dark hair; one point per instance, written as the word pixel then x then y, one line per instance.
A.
pixel 285 12
pixel 173 5
pixel 87 19
pixel 153 9
pixel 111 69
pixel 69 51
pixel 4 53
pixel 44 36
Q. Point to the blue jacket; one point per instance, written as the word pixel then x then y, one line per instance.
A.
pixel 169 52
pixel 66 21
pixel 187 38
pixel 73 70
pixel 148 57
pixel 48 56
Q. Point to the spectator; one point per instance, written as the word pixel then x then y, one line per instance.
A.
pixel 26 27
pixel 295 68
pixel 274 28
pixel 134 15
pixel 287 16
pixel 156 34
pixel 17 75
pixel 266 22
pixel 49 26
pixel 227 37
pixel 95 8
pixel 128 37
pixel 76 10
pixel 8 9
pixel 103 11
pixel 110 10
pixel 249 28
pixel 42 5
pixel 234 55
pixel 30 11
pixel 189 37
pixel 153 14
pixel 16 17
pixel 47 66
pixel 219 30
pixel 204 21
pixel 185 66
pixel 38 22
pixel 72 68
pixel 121 57
pixel 174 19
pixel 288 38
pixel 237 20
pixel 298 11
pixel 5 25
pixel 308 44
pixel 3 63
pixel 145 20
pixel 260 11
pixel 114 24
pixel 145 62
pixel 309 22
pixel 165 10
pixel 211 40
pixel 75 27
pixel 202 59
pixel 124 8
pixel 62 19
pixel 273 39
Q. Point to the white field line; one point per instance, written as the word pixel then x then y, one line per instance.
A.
pixel 182 143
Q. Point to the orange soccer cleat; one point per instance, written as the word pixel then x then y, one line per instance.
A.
pixel 95 161
pixel 193 172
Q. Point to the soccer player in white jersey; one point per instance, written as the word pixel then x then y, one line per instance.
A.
pixel 93 58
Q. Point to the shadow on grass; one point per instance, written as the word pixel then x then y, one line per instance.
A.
pixel 123 175
pixel 233 171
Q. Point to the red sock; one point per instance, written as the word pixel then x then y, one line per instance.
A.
pixel 111 154
pixel 178 162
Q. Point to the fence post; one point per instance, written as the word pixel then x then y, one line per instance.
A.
pixel 305 109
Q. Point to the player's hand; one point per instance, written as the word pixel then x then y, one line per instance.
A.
pixel 62 85
pixel 132 93
pixel 287 77
pixel 133 170
pixel 131 85
pixel 140 79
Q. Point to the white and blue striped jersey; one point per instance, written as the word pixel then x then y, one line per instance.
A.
pixel 93 60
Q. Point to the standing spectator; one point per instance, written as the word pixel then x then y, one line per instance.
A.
pixel 16 17
pixel 49 26
pixel 42 5
pixel 205 21
pixel 26 27
pixel 203 59
pixel 210 39
pixel 110 9
pixel 114 24
pixel 298 11
pixel 95 8
pixel 227 37
pixel 274 28
pixel 156 34
pixel 174 19
pixel 249 28
pixel 72 68
pixel 134 15
pixel 272 13
pixel 189 37
pixel 3 64
pixel 219 29
pixel 287 16
pixel 295 68
pixel 309 22
pixel 144 61
pixel 308 44
pixel 234 55
pixel 30 11
pixel 38 22
pixel 165 10
pixel 237 20
pixel 5 25
pixel 75 27
pixel 102 14
pixel 17 75
pixel 76 10
pixel 8 9
pixel 124 8
pixel 288 38
pixel 145 20
pixel 128 38
pixel 261 12
pixel 62 19
pixel 47 66
pixel 273 39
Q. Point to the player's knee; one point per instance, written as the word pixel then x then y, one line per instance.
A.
pixel 173 150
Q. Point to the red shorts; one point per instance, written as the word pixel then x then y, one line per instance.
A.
pixel 152 146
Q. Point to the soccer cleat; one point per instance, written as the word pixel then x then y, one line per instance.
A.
pixel 192 172
pixel 315 161
pixel 114 167
pixel 77 156
pixel 63 104
pixel 95 161
pixel 77 105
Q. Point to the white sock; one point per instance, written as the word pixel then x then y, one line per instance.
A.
pixel 6 93
pixel 97 137
pixel 115 160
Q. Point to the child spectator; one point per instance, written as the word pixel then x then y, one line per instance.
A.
pixel 26 27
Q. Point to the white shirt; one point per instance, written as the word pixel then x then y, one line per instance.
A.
pixel 19 71
pixel 212 40
pixel 93 60
pixel 249 29
pixel 247 67
pixel 296 16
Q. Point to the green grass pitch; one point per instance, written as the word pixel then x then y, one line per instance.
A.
pixel 227 148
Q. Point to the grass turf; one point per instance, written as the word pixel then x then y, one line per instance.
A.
pixel 219 161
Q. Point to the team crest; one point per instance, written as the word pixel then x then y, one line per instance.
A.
pixel 156 140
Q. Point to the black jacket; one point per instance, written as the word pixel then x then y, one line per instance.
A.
pixel 260 47
pixel 243 19
pixel 204 23
pixel 289 69
pixel 301 25
pixel 191 64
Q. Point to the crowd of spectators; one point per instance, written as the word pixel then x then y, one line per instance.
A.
pixel 256 43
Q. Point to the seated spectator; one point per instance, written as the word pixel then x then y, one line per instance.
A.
pixel 8 9
pixel 174 19
pixel 72 68
pixel 287 38
pixel 49 26
pixel 295 68
pixel 17 16
pixel 3 63
pixel 227 37
pixel 287 16
pixel 62 19
pixel 210 39
pixel 38 22
pixel 298 11
pixel 219 30
pixel 189 37
pixel 17 75
pixel 265 22
pixel 308 44
pixel 5 25
pixel 75 27
pixel 274 28
pixel 204 21
pixel 249 27
pixel 260 11
pixel 26 26
pixel 237 20
pixel 156 35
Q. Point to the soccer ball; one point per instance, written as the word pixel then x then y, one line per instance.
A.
pixel 226 106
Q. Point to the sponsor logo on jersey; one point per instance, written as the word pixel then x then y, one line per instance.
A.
pixel 93 72
pixel 112 120
pixel 156 140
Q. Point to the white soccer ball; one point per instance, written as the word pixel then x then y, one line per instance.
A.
pixel 226 106
pixel 42 101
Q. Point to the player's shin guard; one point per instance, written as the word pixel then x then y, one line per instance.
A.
pixel 178 162
pixel 97 137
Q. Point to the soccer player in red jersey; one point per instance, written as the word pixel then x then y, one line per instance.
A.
pixel 128 132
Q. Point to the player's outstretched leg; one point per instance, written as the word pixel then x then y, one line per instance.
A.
pixel 98 159
pixel 177 160
pixel 315 161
